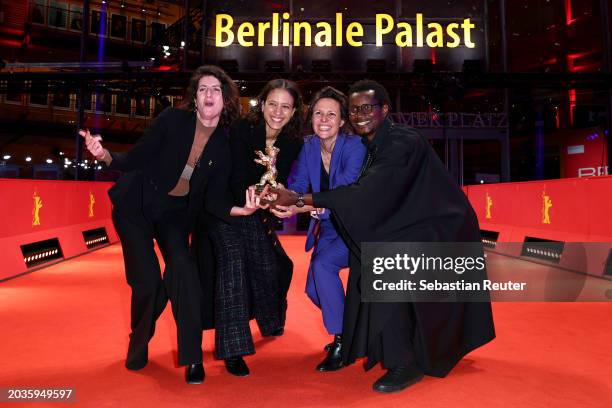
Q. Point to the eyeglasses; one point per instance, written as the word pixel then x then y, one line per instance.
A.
pixel 366 108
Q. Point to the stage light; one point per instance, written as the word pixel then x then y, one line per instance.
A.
pixel 95 237
pixel 6 156
pixel 253 102
pixel 49 161
pixel 28 159
pixel 61 153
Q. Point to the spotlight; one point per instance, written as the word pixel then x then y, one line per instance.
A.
pixel 6 156
pixel 28 159
pixel 253 102
pixel 49 161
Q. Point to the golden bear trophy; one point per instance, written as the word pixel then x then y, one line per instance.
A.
pixel 268 160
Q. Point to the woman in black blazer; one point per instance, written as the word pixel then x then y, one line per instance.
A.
pixel 252 267
pixel 179 166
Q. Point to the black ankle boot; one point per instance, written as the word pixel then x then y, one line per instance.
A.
pixel 333 361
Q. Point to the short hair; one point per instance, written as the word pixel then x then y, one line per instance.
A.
pixel 229 90
pixel 380 92
pixel 293 128
pixel 331 93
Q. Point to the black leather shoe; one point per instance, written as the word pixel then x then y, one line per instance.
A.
pixel 194 373
pixel 398 378
pixel 333 361
pixel 236 366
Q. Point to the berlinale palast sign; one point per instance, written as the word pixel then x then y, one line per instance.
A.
pixel 285 32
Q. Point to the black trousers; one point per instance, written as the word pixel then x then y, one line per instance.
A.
pixel 166 222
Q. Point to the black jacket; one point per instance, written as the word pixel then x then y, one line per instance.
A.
pixel 245 139
pixel 154 165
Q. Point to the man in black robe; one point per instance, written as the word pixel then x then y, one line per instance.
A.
pixel 404 194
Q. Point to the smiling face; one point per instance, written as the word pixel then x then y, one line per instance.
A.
pixel 326 118
pixel 366 124
pixel 209 100
pixel 277 110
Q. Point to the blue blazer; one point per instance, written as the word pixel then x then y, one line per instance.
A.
pixel 346 162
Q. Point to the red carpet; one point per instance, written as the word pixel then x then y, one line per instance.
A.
pixel 67 325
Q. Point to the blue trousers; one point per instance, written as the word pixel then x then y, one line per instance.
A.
pixel 323 284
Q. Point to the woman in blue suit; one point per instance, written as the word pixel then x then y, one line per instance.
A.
pixel 328 159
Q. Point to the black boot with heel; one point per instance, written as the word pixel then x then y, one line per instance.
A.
pixel 333 361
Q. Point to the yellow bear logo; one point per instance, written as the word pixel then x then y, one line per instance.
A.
pixel 36 210
pixel 546 205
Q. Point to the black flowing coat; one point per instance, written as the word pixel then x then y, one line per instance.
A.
pixel 406 195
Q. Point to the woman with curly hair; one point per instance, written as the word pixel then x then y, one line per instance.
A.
pixel 180 166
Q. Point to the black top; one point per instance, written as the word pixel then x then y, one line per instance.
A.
pixel 245 139
pixel 154 165
pixel 324 178
pixel 325 187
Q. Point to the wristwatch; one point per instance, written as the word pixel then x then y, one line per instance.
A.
pixel 300 200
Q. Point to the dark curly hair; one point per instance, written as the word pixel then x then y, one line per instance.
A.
pixel 332 93
pixel 380 92
pixel 231 103
pixel 293 128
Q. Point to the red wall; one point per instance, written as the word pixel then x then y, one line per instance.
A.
pixel 581 212
pixel 64 215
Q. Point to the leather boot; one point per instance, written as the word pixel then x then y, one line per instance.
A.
pixel 194 373
pixel 333 361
